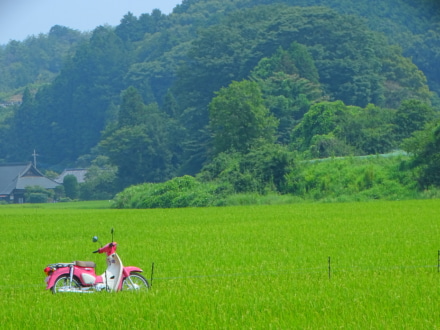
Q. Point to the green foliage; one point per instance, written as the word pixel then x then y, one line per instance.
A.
pixel 183 191
pixel 352 179
pixel 313 131
pixel 345 54
pixel 23 125
pixel 238 118
pixel 140 146
pixel 37 194
pixel 38 59
pixel 334 129
pixel 133 28
pixel 267 171
pixel 71 186
pixel 51 174
pixel 404 80
pixel 59 192
pixel 261 170
pixel 289 82
pixel 294 61
pixel 425 145
pixel 68 115
pixel 272 65
pixel 377 130
pixel 411 116
pixel 321 119
pixel 132 111
pixel 100 181
pixel 424 51
pixel 136 155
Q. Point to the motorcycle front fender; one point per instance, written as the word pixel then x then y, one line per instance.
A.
pixel 127 270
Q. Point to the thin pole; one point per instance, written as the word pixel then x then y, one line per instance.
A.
pixel 329 268
pixel 152 271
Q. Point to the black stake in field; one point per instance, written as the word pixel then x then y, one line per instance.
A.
pixel 151 277
pixel 329 268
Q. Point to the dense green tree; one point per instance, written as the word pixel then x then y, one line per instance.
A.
pixel 24 122
pixel 129 29
pixel 321 119
pixel 403 80
pixel 37 59
pixel 71 186
pixel 425 147
pixel 286 90
pixel 262 169
pixel 239 119
pixel 72 111
pixel 132 111
pixel 334 129
pixel 37 194
pixel 100 180
pixel 141 150
pixel 170 105
pixel 269 165
pixel 411 116
pixel 294 61
pixel 376 133
pixel 425 52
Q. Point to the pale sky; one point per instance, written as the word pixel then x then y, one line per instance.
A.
pixel 21 18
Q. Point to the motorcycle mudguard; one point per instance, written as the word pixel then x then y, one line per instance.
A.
pixel 126 272
pixel 77 271
pixel 53 277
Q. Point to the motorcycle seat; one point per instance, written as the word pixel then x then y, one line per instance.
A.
pixel 89 264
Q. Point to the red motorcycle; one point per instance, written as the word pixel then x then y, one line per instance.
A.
pixel 80 276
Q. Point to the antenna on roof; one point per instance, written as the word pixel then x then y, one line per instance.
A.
pixel 35 158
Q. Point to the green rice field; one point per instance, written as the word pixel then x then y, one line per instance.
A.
pixel 301 266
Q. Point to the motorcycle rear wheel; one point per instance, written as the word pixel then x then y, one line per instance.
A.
pixel 62 284
pixel 135 282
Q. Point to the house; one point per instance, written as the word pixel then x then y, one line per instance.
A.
pixel 14 178
pixel 79 173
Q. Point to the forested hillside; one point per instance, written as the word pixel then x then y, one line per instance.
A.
pixel 36 60
pixel 218 84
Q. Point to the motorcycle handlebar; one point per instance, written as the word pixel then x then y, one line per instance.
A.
pixel 108 249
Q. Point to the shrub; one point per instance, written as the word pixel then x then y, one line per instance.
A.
pixel 183 191
pixel 37 194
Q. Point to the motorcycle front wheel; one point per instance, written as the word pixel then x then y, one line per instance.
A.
pixel 135 282
pixel 63 284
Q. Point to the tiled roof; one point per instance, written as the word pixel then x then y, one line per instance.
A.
pixel 9 174
pixel 41 181
pixel 79 173
pixel 20 176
